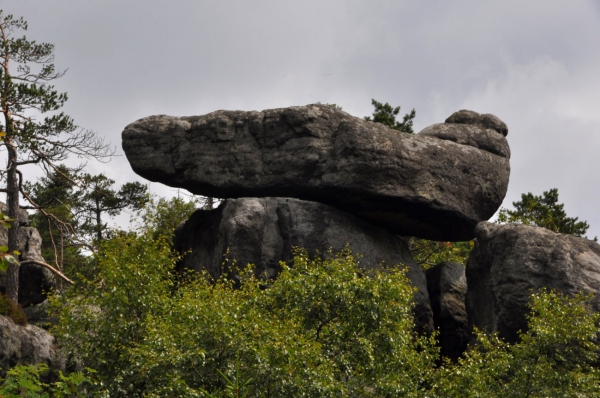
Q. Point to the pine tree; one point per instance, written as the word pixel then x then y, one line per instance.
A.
pixel 543 211
pixel 386 115
pixel 34 132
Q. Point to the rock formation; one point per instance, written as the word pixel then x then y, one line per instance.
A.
pixel 26 345
pixel 511 261
pixel 34 280
pixel 447 287
pixel 437 184
pixel 263 231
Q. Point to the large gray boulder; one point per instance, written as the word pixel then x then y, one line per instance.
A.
pixel 27 345
pixel 263 231
pixel 34 281
pixel 511 261
pixel 447 287
pixel 435 185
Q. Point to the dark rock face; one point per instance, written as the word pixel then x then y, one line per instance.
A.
pixel 447 287
pixel 34 281
pixel 262 231
pixel 26 345
pixel 430 185
pixel 510 261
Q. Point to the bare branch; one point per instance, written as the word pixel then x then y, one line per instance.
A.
pixel 51 268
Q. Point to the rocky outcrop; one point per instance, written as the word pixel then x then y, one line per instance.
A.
pixel 22 217
pixel 437 184
pixel 263 231
pixel 34 281
pixel 26 345
pixel 511 261
pixel 39 315
pixel 447 287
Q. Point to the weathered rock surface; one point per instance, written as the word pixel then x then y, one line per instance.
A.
pixel 485 120
pixel 39 315
pixel 263 231
pixel 447 287
pixel 510 261
pixel 26 345
pixel 34 281
pixel 429 185
pixel 22 217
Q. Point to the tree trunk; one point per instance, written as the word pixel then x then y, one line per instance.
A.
pixel 98 222
pixel 12 199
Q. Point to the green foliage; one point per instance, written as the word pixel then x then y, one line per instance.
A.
pixel 70 208
pixel 12 310
pixel 98 197
pixel 7 258
pixel 25 381
pixel 543 211
pixel 57 220
pixel 556 357
pixel 428 253
pixel 323 328
pixel 101 322
pixel 386 114
pixel 161 216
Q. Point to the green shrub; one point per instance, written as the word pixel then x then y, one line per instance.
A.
pixel 12 310
pixel 25 381
pixel 556 357
pixel 323 328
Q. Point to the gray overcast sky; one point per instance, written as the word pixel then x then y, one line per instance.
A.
pixel 535 64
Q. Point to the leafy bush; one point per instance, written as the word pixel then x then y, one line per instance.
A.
pixel 24 381
pixel 556 357
pixel 12 310
pixel 323 328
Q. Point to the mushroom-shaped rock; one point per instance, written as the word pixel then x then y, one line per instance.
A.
pixel 421 185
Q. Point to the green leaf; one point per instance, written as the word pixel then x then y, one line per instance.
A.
pixel 3 249
pixel 3 264
pixel 11 259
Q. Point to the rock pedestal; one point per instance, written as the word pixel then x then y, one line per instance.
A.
pixel 447 287
pixel 263 231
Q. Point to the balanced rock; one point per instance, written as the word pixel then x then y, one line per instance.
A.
pixel 511 261
pixel 447 287
pixel 34 281
pixel 27 345
pixel 262 231
pixel 427 185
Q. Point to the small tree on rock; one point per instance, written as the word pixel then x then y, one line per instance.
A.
pixel 386 115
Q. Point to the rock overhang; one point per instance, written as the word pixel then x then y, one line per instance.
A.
pixel 437 184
